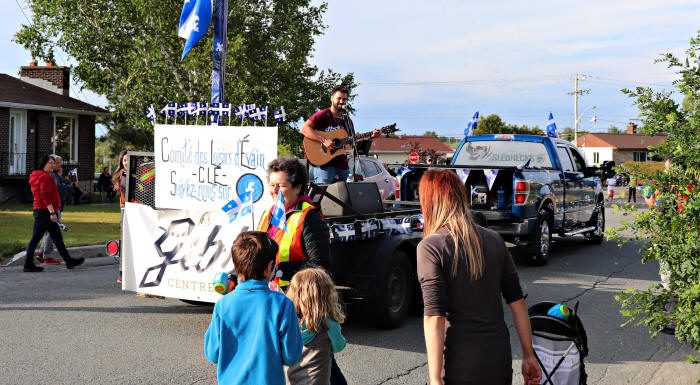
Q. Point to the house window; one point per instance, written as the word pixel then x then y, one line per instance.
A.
pixel 640 156
pixel 596 158
pixel 65 137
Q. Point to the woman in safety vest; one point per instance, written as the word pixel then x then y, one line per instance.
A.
pixel 306 240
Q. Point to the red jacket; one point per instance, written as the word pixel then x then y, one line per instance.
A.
pixel 44 190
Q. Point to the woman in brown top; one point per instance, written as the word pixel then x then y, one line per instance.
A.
pixel 464 270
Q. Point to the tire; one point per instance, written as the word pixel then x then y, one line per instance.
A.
pixel 596 236
pixel 542 239
pixel 396 296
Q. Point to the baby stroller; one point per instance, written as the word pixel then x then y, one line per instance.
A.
pixel 560 345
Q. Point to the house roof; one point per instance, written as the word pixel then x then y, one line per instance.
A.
pixel 620 141
pixel 400 144
pixel 15 93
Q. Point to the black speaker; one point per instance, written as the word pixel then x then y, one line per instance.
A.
pixel 363 197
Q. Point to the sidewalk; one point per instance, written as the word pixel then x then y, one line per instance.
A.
pixel 76 252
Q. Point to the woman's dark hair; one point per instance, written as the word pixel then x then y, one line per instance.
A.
pixel 296 172
pixel 43 160
pixel 252 252
pixel 340 88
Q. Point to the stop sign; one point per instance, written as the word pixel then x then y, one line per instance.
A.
pixel 413 157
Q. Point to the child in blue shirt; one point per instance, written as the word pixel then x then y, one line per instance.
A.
pixel 320 315
pixel 253 330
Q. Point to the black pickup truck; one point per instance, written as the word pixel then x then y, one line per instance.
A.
pixel 526 188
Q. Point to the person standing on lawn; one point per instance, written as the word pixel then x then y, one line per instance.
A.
pixel 47 203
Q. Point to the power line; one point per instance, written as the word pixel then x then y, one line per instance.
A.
pixel 22 10
pixel 465 82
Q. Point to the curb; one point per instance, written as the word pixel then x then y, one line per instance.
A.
pixel 93 251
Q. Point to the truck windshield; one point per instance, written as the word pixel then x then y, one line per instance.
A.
pixel 503 153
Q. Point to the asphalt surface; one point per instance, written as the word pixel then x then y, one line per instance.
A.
pixel 77 326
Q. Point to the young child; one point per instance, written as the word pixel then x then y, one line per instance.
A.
pixel 253 331
pixel 611 182
pixel 320 315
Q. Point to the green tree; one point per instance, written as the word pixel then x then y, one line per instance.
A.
pixel 671 228
pixel 490 124
pixel 430 133
pixel 614 130
pixel 128 51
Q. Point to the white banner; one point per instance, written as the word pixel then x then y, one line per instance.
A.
pixel 206 167
pixel 177 253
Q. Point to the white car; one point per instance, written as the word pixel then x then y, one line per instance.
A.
pixel 372 170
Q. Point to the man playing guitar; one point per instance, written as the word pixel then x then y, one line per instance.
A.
pixel 329 119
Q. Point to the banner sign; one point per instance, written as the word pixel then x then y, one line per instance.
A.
pixel 207 167
pixel 177 253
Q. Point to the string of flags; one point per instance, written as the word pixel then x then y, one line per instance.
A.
pixel 216 112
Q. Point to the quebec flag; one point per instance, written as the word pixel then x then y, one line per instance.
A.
pixel 551 127
pixel 194 22
pixel 279 217
pixel 472 124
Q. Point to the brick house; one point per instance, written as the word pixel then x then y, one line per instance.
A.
pixel 621 148
pixel 396 149
pixel 37 117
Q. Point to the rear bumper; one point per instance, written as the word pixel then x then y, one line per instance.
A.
pixel 525 227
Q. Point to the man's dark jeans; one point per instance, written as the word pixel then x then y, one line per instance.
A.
pixel 43 223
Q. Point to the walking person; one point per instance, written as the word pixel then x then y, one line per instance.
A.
pixel 45 210
pixel 253 331
pixel 119 180
pixel 611 182
pixel 464 270
pixel 306 243
pixel 64 192
pixel 316 302
pixel 632 189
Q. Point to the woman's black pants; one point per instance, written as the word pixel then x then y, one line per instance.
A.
pixel 42 224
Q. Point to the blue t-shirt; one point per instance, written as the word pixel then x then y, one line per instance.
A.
pixel 253 332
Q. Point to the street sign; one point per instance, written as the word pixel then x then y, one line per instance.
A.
pixel 413 157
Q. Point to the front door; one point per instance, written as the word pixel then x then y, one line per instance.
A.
pixel 18 143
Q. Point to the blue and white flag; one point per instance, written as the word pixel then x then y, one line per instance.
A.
pixel 279 217
pixel 214 109
pixel 241 111
pixel 225 109
pixel 551 127
pixel 151 113
pixel 194 22
pixel 170 109
pixel 249 109
pixel 280 115
pixel 472 124
pixel 182 109
pixel 237 207
pixel 202 109
pixel 219 51
pixel 490 174
pixel 255 115
pixel 192 108
pixel 262 112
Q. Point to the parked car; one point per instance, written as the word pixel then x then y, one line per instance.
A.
pixel 372 170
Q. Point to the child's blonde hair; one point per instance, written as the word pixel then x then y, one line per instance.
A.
pixel 315 299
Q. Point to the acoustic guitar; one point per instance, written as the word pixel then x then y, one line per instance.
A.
pixel 319 155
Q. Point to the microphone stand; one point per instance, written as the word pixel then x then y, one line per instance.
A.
pixel 351 131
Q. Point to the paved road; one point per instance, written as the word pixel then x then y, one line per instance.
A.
pixel 67 327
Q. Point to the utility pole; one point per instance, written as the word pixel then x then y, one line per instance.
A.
pixel 576 93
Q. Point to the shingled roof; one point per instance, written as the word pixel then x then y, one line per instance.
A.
pixel 399 144
pixel 15 93
pixel 620 141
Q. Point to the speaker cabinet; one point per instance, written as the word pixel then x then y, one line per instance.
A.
pixel 362 196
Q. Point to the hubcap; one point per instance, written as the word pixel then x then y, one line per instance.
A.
pixel 397 289
pixel 544 238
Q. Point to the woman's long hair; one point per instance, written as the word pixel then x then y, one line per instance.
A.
pixel 315 299
pixel 120 167
pixel 444 203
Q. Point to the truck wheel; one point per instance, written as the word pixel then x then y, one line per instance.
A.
pixel 542 239
pixel 595 237
pixel 396 295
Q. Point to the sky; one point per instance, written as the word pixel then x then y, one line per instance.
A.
pixel 428 66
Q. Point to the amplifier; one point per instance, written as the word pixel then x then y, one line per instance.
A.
pixel 363 197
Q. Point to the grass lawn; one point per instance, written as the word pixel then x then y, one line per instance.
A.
pixel 90 224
